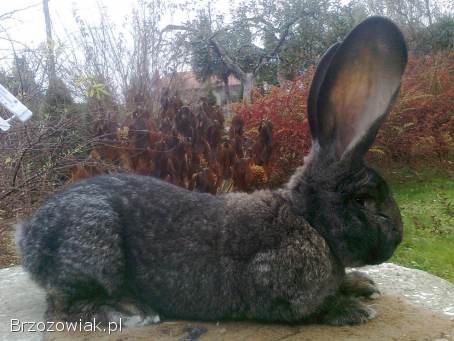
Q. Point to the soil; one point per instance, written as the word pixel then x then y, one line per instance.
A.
pixel 8 256
pixel 396 320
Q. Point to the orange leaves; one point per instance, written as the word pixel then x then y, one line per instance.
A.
pixel 283 110
pixel 421 124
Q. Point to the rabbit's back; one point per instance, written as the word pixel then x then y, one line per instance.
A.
pixel 87 225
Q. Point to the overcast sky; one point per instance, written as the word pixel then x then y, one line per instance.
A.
pixel 27 26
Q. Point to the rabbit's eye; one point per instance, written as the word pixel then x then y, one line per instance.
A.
pixel 361 199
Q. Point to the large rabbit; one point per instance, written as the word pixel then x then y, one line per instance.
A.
pixel 118 245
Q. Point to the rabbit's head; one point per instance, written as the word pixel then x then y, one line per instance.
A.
pixel 352 91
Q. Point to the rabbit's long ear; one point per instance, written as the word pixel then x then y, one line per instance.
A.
pixel 317 82
pixel 355 85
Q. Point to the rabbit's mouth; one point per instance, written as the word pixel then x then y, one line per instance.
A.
pixel 388 232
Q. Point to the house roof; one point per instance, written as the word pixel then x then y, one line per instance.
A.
pixel 188 81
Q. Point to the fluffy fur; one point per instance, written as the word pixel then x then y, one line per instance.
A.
pixel 127 244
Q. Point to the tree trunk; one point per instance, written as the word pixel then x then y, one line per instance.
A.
pixel 226 90
pixel 248 84
pixel 50 44
pixel 429 14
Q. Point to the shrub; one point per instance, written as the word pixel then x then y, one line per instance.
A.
pixel 187 146
pixel 420 127
pixel 285 108
pixel 421 124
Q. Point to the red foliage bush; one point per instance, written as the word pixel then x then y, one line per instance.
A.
pixel 419 128
pixel 421 124
pixel 285 108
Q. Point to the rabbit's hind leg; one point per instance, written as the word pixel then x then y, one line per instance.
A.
pixel 135 314
pixel 74 306
pixel 358 284
pixel 100 309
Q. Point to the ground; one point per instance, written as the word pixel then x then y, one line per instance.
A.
pixel 8 256
pixel 397 320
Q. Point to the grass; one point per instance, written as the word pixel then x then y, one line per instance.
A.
pixel 426 200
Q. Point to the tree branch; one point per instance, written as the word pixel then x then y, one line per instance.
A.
pixel 236 69
pixel 9 14
pixel 277 48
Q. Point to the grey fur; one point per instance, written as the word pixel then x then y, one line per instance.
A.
pixel 113 241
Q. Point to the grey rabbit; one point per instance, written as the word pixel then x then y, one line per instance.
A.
pixel 122 246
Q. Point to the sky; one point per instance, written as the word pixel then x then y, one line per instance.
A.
pixel 27 26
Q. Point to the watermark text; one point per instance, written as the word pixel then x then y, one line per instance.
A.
pixel 18 326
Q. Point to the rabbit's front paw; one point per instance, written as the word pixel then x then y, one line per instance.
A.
pixel 346 310
pixel 137 320
pixel 132 314
pixel 359 284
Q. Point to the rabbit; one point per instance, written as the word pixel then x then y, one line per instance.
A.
pixel 138 248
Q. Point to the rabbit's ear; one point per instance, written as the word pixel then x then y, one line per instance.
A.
pixel 317 82
pixel 354 92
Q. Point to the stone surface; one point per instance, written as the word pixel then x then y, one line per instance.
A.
pixel 20 299
pixel 414 306
pixel 418 287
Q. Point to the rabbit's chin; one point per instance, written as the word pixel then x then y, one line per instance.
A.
pixel 380 255
pixel 377 255
pixel 373 259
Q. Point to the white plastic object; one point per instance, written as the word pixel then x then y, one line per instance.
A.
pixel 4 125
pixel 15 106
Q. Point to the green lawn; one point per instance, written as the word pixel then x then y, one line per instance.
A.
pixel 426 201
